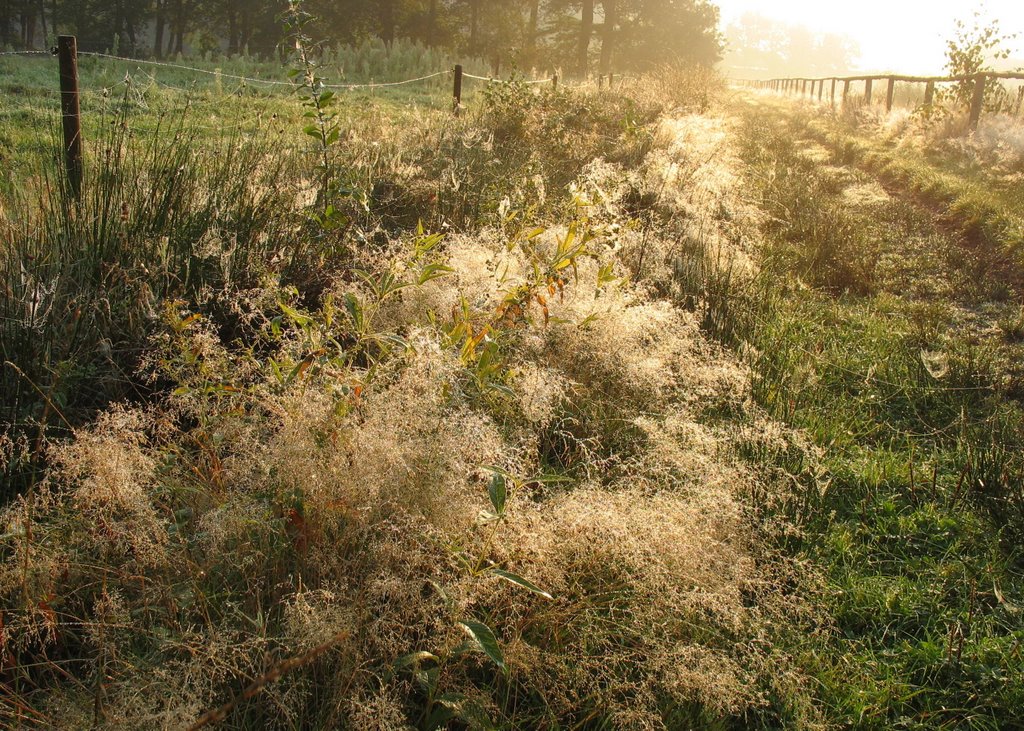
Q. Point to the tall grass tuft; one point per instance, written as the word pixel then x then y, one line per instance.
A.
pixel 161 216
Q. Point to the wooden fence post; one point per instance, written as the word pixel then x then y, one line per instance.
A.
pixel 846 91
pixel 1020 100
pixel 978 100
pixel 457 92
pixel 554 81
pixel 834 93
pixel 889 94
pixel 929 93
pixel 71 111
pixel 867 91
pixel 821 89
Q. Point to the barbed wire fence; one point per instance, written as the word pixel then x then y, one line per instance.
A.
pixel 71 93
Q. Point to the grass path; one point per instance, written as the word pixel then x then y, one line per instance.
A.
pixel 880 334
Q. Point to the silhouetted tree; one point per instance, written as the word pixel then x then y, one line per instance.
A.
pixel 527 32
pixel 766 48
pixel 608 34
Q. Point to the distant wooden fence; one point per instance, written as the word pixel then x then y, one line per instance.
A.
pixel 807 88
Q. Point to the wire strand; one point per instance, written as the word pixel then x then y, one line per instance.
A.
pixel 254 80
pixel 492 79
pixel 388 83
pixel 164 64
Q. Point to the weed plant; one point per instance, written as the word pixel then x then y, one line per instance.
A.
pixel 430 458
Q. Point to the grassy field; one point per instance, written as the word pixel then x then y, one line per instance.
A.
pixel 659 407
pixel 223 96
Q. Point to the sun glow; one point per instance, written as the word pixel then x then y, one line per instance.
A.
pixel 907 37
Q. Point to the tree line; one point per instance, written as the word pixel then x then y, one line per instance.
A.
pixel 577 35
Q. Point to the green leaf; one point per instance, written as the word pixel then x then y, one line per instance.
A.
pixel 606 274
pixel 278 373
pixel 520 581
pixel 390 339
pixel 355 310
pixel 485 641
pixel 424 243
pixel 300 369
pixel 433 271
pixel 501 389
pixel 297 317
pixel 497 490
pixel 369 280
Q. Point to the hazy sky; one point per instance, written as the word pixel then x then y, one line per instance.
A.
pixel 894 35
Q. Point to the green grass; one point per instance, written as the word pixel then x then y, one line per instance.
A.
pixel 917 522
pixel 218 105
pixel 974 193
